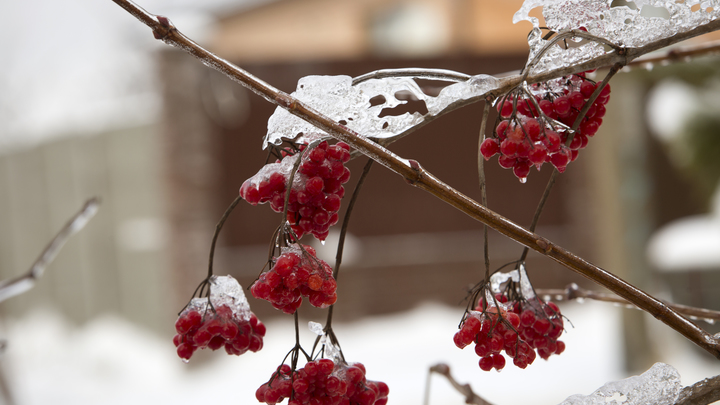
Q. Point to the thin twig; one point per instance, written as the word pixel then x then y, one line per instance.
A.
pixel 18 285
pixel 415 175
pixel 464 389
pixel 343 233
pixel 218 228
pixel 575 292
pixel 678 54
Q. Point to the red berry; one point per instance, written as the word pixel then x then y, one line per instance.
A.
pixel 486 363
pixel 489 148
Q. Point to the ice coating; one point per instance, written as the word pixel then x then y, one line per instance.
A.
pixel 634 25
pixel 497 279
pixel 658 386
pixel 526 289
pixel 337 98
pixel 225 290
pixel 315 328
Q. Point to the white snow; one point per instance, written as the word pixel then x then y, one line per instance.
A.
pixel 109 361
pixel 689 243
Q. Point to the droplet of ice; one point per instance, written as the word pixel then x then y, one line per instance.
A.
pixel 322 242
pixel 315 328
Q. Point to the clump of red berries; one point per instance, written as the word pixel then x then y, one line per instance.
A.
pixel 228 322
pixel 323 381
pixel 316 191
pixel 296 273
pixel 523 330
pixel 524 137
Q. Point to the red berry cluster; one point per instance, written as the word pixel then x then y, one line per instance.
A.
pixel 228 322
pixel 316 190
pixel 524 138
pixel 527 327
pixel 323 382
pixel 297 273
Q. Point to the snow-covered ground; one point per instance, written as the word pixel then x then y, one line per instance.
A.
pixel 110 361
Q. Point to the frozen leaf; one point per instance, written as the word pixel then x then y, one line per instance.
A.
pixel 658 386
pixel 360 106
pixel 633 25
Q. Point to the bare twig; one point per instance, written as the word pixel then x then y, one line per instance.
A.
pixel 574 292
pixel 465 389
pixel 415 175
pixel 678 54
pixel 18 285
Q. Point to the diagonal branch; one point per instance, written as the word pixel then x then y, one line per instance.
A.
pixel 415 175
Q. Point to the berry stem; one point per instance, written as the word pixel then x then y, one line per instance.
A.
pixel 483 186
pixel 218 227
pixel 343 233
pixel 340 248
pixel 551 182
pixel 295 168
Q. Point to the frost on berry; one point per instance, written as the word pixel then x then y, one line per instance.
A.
pixel 225 321
pixel 323 381
pixel 528 136
pixel 317 188
pixel 295 274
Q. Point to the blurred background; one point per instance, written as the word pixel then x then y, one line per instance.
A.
pixel 92 105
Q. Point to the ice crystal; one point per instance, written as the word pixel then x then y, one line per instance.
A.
pixel 658 386
pixel 225 290
pixel 359 106
pixel 633 25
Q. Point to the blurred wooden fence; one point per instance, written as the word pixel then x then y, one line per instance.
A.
pixel 116 264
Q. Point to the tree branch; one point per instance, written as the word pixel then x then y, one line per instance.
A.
pixel 706 391
pixel 465 389
pixel 414 174
pixel 18 285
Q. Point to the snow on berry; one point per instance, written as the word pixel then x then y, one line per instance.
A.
pixel 296 273
pixel 323 381
pixel 526 137
pixel 224 321
pixel 316 191
pixel 523 330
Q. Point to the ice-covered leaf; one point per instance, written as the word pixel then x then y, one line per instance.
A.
pixel 658 386
pixel 360 106
pixel 632 25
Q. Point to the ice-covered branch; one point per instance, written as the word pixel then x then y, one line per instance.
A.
pixel 18 285
pixel 415 175
pixel 706 391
